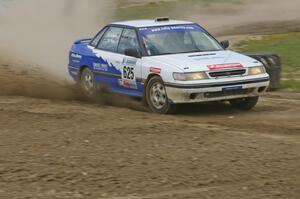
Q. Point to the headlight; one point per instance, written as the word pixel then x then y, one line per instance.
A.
pixel 190 76
pixel 257 70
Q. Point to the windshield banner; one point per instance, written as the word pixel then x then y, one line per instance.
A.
pixel 168 29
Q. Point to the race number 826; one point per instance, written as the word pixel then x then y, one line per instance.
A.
pixel 128 73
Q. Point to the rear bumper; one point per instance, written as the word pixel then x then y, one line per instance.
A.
pixel 179 93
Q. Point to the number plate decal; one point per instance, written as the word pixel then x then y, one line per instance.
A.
pixel 232 88
pixel 128 74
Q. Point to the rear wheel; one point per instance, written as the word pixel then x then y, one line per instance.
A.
pixel 156 96
pixel 246 104
pixel 88 84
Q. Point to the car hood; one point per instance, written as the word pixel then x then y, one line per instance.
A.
pixel 191 62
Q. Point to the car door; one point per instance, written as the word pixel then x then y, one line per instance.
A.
pixel 131 66
pixel 113 68
pixel 107 67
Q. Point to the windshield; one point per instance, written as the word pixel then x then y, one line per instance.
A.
pixel 177 39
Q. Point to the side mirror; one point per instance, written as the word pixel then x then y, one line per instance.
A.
pixel 133 52
pixel 225 44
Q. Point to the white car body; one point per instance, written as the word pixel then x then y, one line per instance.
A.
pixel 180 91
pixel 225 63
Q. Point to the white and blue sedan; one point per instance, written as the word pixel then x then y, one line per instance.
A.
pixel 166 62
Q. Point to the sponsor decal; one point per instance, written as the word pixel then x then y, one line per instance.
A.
pixel 76 56
pixel 225 66
pixel 128 83
pixel 75 61
pixel 129 61
pixel 232 88
pixel 111 68
pixel 155 70
pixel 174 28
pixel 99 66
pixel 74 72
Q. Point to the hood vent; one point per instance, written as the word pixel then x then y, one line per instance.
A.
pixel 202 55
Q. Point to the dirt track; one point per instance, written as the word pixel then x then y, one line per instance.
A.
pixel 71 149
pixel 52 145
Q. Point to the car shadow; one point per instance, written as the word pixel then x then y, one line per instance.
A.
pixel 207 108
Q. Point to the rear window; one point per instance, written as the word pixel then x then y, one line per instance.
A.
pixel 98 37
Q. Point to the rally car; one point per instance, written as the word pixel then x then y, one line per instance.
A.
pixel 166 62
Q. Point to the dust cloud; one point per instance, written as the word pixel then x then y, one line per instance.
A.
pixel 35 37
pixel 39 33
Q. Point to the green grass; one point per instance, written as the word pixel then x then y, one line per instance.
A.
pixel 288 47
pixel 174 9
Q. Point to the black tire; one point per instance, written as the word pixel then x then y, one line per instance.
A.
pixel 156 97
pixel 272 63
pixel 87 84
pixel 245 104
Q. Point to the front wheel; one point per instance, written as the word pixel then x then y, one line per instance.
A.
pixel 246 104
pixel 156 96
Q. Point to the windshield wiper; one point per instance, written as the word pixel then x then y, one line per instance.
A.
pixel 214 50
pixel 164 54
pixel 194 51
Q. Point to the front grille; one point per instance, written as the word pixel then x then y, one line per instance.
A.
pixel 227 73
pixel 226 93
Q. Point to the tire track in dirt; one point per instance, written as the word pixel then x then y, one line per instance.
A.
pixel 187 192
pixel 121 152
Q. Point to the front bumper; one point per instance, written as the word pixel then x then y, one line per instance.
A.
pixel 192 93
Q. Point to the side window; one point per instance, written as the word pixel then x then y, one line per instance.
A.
pixel 128 40
pixel 110 40
pixel 97 38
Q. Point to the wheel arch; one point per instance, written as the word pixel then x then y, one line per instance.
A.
pixel 81 68
pixel 168 106
pixel 146 83
pixel 148 78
